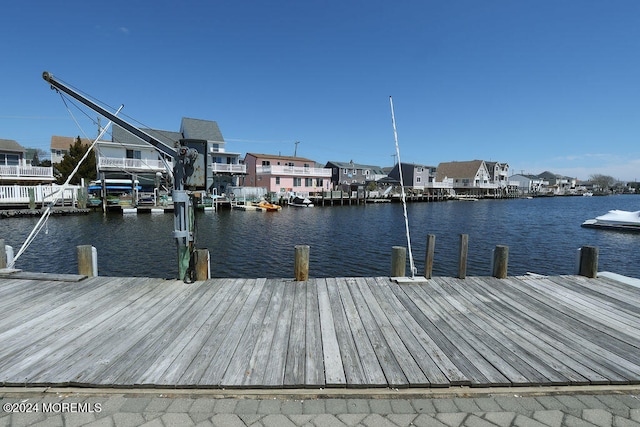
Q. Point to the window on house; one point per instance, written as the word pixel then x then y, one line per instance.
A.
pixel 418 179
pixel 134 154
pixel 277 180
pixel 308 182
pixel 319 182
pixel 266 163
pixel 297 182
pixel 366 172
pixel 306 165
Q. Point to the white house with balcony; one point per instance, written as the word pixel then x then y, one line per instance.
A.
pixel 126 156
pixel 286 174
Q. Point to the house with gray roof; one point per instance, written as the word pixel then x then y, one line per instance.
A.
pixel 15 168
pixel 126 156
pixel 348 175
pixel 417 177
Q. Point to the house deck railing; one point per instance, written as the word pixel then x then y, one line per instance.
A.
pixel 228 168
pixel 19 194
pixel 293 171
pixel 131 164
pixel 26 172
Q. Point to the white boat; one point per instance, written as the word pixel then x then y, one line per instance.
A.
pixel 301 202
pixel 616 220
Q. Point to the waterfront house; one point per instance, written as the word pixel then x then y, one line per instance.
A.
pixel 348 176
pixel 529 184
pixel 281 175
pixel 60 145
pixel 559 184
pixel 128 157
pixel 467 177
pixel 416 177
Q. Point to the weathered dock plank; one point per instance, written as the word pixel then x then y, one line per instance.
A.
pixel 326 332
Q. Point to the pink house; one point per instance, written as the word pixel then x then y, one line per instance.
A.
pixel 286 174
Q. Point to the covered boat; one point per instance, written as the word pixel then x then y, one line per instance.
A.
pixel 616 220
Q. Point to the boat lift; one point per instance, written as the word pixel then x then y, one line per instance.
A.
pixel 183 171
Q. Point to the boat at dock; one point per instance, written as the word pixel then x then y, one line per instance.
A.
pixel 616 220
pixel 301 202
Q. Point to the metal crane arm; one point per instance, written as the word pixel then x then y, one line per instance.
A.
pixel 160 146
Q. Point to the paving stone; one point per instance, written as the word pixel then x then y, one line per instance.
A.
pixel 102 422
pixel 401 406
pixel 377 420
pixel 225 406
pixel 53 421
pixel 632 402
pixel 75 419
pixel 475 421
pixel 571 402
pixel 180 405
pixel 336 406
pixel 452 419
pixel 445 405
pixel 503 419
pixel 277 420
pixel 227 420
pixel 424 420
pixel 300 420
pixel 158 404
pixel 599 417
pixel 156 422
pixel 634 414
pixel 591 402
pixel 624 422
pixel 351 419
pixel 113 405
pixel 487 404
pixel 203 405
pixel 328 420
pixel 573 421
pixel 466 405
pixel 530 404
pixel 551 418
pixel 247 406
pixel 510 404
pixel 614 404
pixel 251 419
pixel 423 406
pixel 402 419
pixel 358 406
pixel 177 419
pixel 550 402
pixel 204 423
pixel 129 419
pixel 313 406
pixel 380 406
pixel 291 407
pixel 269 406
pixel 524 421
pixel 198 417
pixel 20 420
pixel 135 404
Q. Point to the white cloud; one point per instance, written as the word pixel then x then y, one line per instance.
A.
pixel 124 30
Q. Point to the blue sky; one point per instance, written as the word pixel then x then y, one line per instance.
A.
pixel 540 84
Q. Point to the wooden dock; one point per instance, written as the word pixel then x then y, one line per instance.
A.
pixel 325 332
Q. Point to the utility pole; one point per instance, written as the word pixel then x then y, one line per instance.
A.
pixel 295 150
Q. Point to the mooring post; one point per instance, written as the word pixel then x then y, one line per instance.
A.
pixel 203 264
pixel 428 261
pixel 500 261
pixel 3 255
pixel 589 261
pixel 87 260
pixel 301 263
pixel 462 260
pixel 398 261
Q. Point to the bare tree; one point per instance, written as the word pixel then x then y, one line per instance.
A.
pixel 602 182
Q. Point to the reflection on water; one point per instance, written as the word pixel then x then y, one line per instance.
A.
pixel 542 234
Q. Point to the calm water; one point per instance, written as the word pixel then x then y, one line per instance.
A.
pixel 542 234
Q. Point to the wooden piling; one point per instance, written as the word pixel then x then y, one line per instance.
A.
pixel 462 259
pixel 589 261
pixel 301 263
pixel 398 261
pixel 428 262
pixel 3 255
pixel 500 261
pixel 203 264
pixel 87 260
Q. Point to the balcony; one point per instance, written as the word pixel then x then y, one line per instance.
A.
pixel 137 165
pixel 298 171
pixel 228 168
pixel 26 172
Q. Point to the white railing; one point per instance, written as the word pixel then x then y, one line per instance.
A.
pixel 131 164
pixel 228 168
pixel 19 194
pixel 26 172
pixel 293 170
